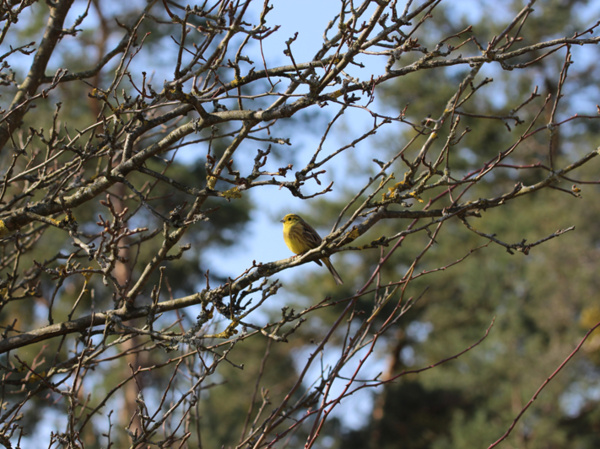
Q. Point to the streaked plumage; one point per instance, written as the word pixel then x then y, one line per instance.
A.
pixel 300 237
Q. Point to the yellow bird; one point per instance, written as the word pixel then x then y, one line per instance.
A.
pixel 300 237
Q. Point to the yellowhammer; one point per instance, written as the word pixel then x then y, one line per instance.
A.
pixel 299 236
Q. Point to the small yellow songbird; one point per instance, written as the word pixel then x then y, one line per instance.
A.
pixel 300 237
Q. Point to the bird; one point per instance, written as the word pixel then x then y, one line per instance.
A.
pixel 300 237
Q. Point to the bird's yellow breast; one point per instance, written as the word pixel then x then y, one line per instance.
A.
pixel 292 234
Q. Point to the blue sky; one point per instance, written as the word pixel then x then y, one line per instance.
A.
pixel 264 241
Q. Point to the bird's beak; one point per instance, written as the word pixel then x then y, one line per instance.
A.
pixel 281 221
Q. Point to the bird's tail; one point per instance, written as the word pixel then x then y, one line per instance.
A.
pixel 336 276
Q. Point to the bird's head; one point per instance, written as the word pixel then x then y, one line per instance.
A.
pixel 290 219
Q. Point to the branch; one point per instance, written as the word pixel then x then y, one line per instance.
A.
pixel 52 35
pixel 544 384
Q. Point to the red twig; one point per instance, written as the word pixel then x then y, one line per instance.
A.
pixel 539 390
